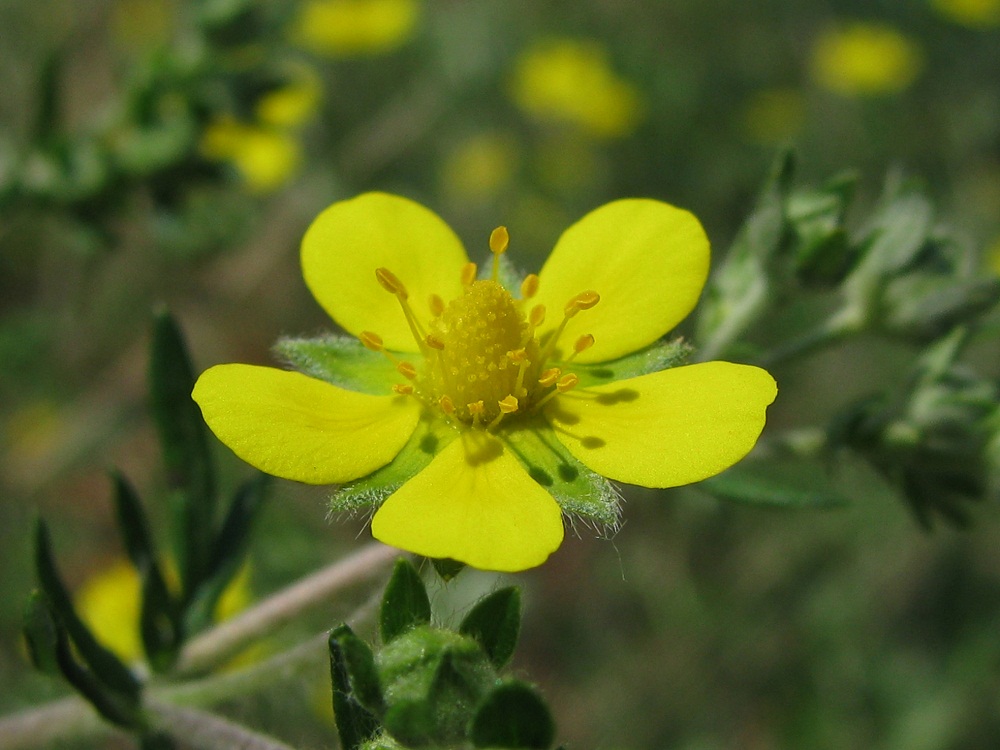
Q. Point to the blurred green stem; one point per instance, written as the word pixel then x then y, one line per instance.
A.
pixel 205 731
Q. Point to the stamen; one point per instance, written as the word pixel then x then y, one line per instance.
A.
pixel 407 370
pixel 582 301
pixel 582 344
pixel 507 405
pixel 566 383
pixel 529 287
pixel 390 282
pixel 520 357
pixel 447 405
pixel 469 272
pixel 476 409
pixel 371 341
pixel 436 305
pixel 403 389
pixel 434 341
pixel 537 315
pixel 549 377
pixel 393 285
pixel 499 240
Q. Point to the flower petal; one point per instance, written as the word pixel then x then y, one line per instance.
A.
pixel 647 259
pixel 667 428
pixel 350 239
pixel 296 427
pixel 473 503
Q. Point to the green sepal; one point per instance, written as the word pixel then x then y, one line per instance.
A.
pixel 446 568
pixel 495 622
pixel 186 455
pixel 776 484
pixel 513 716
pixel 106 667
pixel 355 724
pixel 653 358
pixel 228 552
pixel 577 489
pixel 41 634
pixel 822 253
pixel 342 361
pixel 363 675
pixel 159 620
pixel 404 604
pixel 430 438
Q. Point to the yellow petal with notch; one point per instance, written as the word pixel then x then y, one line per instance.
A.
pixel 476 504
pixel 647 259
pixel 350 239
pixel 667 428
pixel 300 428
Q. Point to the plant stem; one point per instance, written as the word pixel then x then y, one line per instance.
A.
pixel 223 641
pixel 205 731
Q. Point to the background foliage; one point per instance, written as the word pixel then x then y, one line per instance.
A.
pixel 144 160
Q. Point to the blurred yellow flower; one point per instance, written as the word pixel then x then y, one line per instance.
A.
pixel 265 157
pixel 109 603
pixel 979 14
pixel 354 28
pixel 294 104
pixel 865 59
pixel 571 81
pixel 774 115
pixel 993 257
pixel 480 166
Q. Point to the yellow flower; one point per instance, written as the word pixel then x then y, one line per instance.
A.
pixel 480 166
pixel 570 80
pixel 266 158
pixel 293 104
pixel 865 59
pixel 775 115
pixel 352 28
pixel 476 410
pixel 978 14
pixel 109 603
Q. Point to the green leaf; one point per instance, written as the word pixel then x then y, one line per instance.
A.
pixel 494 622
pixel 896 233
pixel 405 604
pixel 186 456
pixel 228 552
pixel 655 357
pixel 105 665
pixel 513 716
pixel 776 484
pixel 159 622
pixel 430 438
pixel 40 633
pixel 577 489
pixel 339 360
pixel 355 724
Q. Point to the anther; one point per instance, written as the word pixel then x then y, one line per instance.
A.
pixel 529 287
pixel 476 409
pixel 518 355
pixel 371 341
pixel 469 271
pixel 391 283
pixel 582 301
pixel 567 382
pixel 407 370
pixel 537 315
pixel 436 305
pixel 447 405
pixel 434 341
pixel 507 405
pixel 582 344
pixel 499 239
pixel 403 389
pixel 549 377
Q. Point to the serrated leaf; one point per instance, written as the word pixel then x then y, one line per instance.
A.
pixel 430 438
pixel 776 484
pixel 105 665
pixel 513 716
pixel 577 489
pixel 184 443
pixel 339 360
pixel 355 724
pixel 404 604
pixel 495 622
pixel 655 357
pixel 228 552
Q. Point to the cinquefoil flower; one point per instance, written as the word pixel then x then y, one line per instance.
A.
pixel 474 409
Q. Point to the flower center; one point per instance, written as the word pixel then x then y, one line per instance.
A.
pixel 482 359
